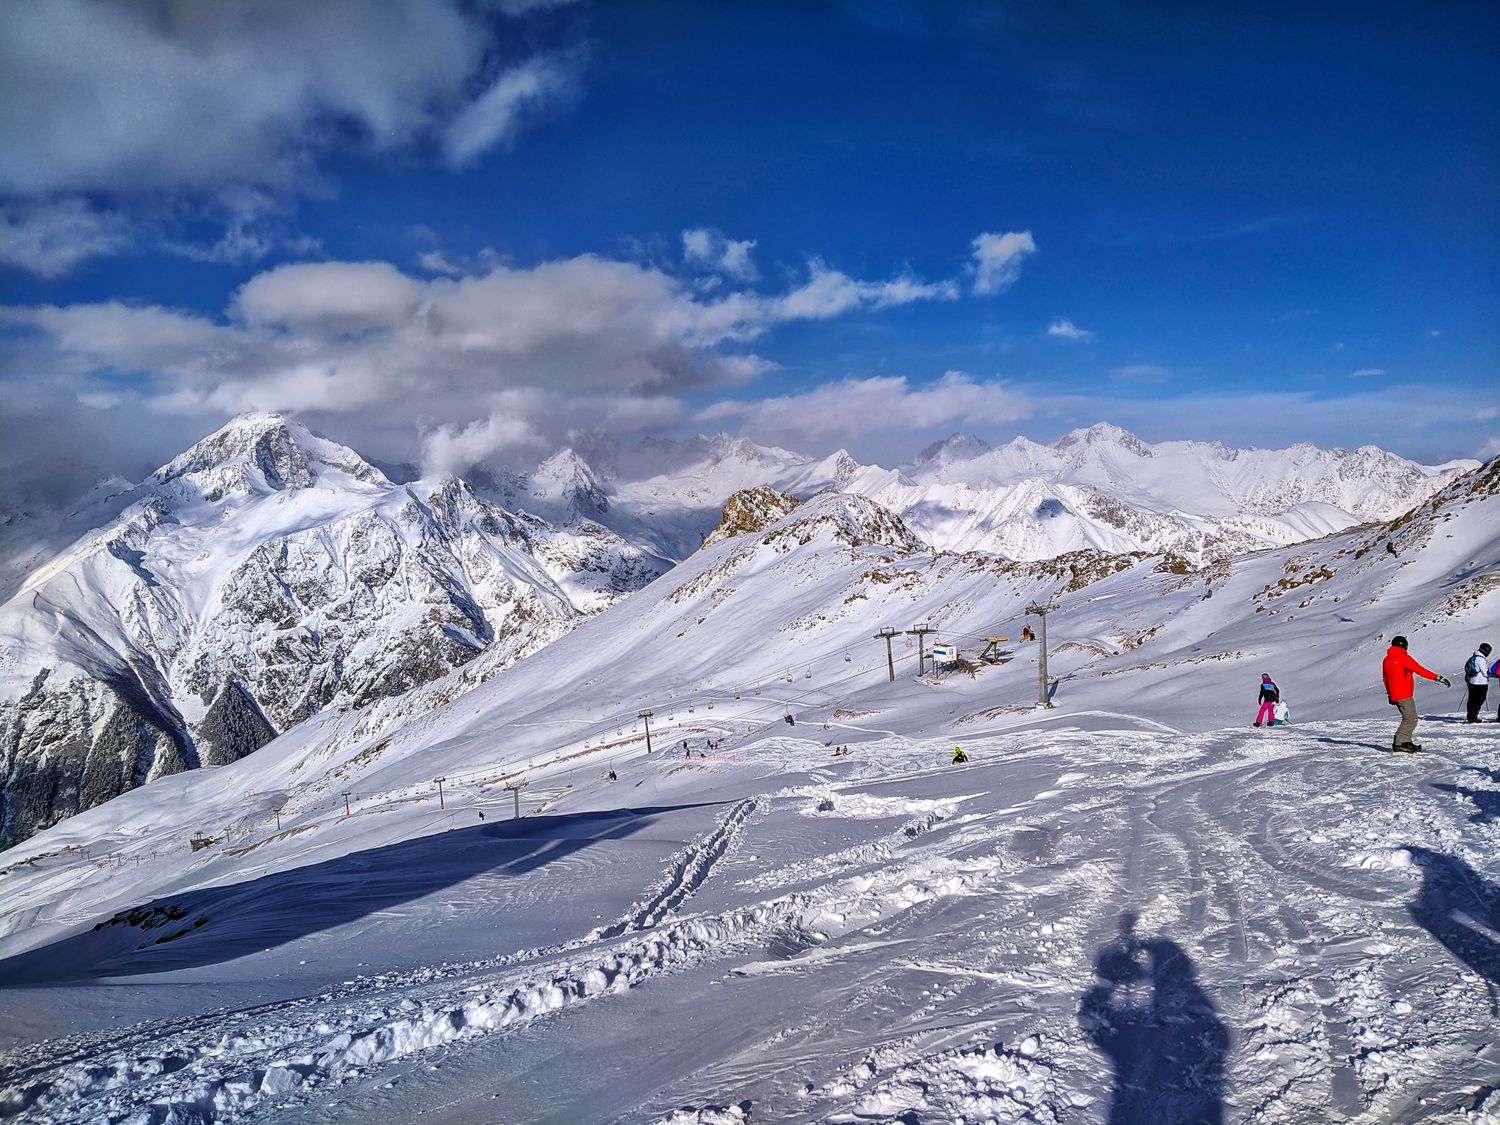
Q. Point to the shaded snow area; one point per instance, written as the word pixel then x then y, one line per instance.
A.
pixel 1129 907
pixel 1283 926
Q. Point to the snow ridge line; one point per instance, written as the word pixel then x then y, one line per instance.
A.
pixel 690 870
pixel 188 1076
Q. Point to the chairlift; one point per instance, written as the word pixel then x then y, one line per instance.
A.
pixel 736 693
pixel 807 675
pixel 847 657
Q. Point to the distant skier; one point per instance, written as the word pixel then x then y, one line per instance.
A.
pixel 1396 671
pixel 1269 696
pixel 1477 677
pixel 959 755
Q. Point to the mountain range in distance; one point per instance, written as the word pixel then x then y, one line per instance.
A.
pixel 268 573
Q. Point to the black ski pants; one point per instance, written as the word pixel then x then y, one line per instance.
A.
pixel 1477 692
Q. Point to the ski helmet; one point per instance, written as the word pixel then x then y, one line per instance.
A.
pixel 1399 641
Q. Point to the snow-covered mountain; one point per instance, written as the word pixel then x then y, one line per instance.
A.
pixel 1105 488
pixel 267 573
pixel 1100 488
pixel 263 575
pixel 1129 895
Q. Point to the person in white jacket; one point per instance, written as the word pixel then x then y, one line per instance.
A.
pixel 1477 676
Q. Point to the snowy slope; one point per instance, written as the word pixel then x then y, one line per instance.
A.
pixel 1129 903
pixel 261 576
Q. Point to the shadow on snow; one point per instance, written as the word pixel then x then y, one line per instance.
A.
pixel 1453 902
pixel 1349 742
pixel 215 924
pixel 1160 1030
pixel 1487 801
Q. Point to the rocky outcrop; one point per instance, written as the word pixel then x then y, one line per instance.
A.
pixel 70 746
pixel 749 510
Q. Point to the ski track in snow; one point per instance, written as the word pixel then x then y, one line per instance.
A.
pixel 1314 981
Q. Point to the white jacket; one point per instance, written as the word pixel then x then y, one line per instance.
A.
pixel 1482 662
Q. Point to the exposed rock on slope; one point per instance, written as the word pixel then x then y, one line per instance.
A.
pixel 750 509
pixel 263 575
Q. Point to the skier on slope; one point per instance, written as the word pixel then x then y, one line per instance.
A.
pixel 1269 695
pixel 1396 671
pixel 1477 677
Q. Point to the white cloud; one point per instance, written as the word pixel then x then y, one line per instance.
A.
pixel 1366 372
pixel 1490 447
pixel 837 413
pixel 714 251
pixel 435 261
pixel 453 448
pixel 571 345
pixel 1065 329
pixel 828 293
pixel 164 110
pixel 997 260
pixel 464 357
pixel 1148 372
pixel 50 238
pixel 494 119
pixel 329 297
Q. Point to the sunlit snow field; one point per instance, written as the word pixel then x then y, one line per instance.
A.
pixel 1131 906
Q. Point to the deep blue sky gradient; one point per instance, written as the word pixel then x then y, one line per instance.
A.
pixel 1269 196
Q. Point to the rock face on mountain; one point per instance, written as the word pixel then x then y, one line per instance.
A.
pixel 263 575
pixel 750 509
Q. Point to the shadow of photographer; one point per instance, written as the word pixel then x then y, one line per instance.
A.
pixel 1160 1030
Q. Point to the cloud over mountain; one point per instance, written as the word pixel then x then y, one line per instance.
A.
pixel 493 360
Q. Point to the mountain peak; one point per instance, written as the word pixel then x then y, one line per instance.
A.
pixel 566 476
pixel 1103 433
pixel 282 452
pixel 954 447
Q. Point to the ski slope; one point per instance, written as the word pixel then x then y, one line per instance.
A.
pixel 1131 902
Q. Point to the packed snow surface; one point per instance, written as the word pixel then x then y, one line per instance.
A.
pixel 1130 906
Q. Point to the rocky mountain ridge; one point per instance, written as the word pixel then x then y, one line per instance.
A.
pixel 258 578
pixel 1101 488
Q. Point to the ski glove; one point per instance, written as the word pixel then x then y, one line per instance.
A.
pixel 1444 681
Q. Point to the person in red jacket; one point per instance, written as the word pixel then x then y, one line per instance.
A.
pixel 1396 670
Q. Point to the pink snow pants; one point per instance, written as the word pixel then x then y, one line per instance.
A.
pixel 1266 714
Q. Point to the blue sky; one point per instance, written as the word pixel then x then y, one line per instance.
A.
pixel 450 231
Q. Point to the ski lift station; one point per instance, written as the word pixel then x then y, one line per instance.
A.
pixel 944 654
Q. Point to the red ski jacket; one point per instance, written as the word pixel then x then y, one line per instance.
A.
pixel 1396 671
